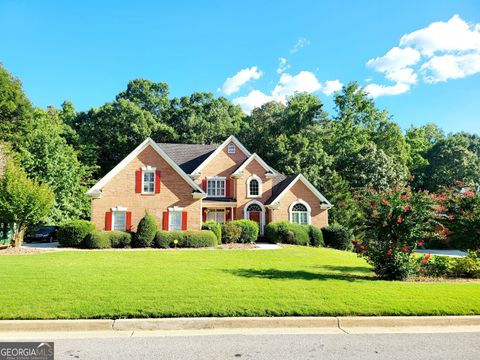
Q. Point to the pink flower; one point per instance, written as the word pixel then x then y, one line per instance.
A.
pixel 404 248
pixel 384 202
pixel 404 196
pixel 389 215
pixel 389 252
pixel 399 220
pixel 420 243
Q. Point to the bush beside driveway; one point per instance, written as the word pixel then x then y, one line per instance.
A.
pixel 289 281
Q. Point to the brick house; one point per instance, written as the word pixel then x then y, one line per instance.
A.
pixel 183 185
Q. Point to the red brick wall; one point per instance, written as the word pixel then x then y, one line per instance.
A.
pixel 319 217
pixel 120 191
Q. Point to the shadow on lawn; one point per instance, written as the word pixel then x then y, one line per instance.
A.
pixel 295 275
pixel 347 269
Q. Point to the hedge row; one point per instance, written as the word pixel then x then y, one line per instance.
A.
pixel 335 236
pixel 82 234
pixel 185 239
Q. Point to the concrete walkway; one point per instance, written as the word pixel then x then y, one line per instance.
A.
pixel 449 253
pixel 267 246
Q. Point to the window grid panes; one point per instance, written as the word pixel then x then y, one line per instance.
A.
pixel 119 220
pixel 216 188
pixel 148 182
pixel 254 187
pixel 231 148
pixel 175 221
pixel 300 214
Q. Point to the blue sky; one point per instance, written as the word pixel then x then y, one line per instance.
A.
pixel 420 53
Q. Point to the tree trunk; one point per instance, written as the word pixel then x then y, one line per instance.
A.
pixel 18 236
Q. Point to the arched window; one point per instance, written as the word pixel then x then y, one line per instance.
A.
pixel 300 213
pixel 254 186
pixel 254 207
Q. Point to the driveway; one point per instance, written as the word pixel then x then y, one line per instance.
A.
pixel 449 253
pixel 40 245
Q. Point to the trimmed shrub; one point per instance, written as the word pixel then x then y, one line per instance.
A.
pixel 119 239
pixel 316 236
pixel 185 239
pixel 97 240
pixel 231 233
pixel 249 230
pixel 147 228
pixel 72 233
pixel 165 239
pixel 214 227
pixel 287 233
pixel 337 237
pixel 198 239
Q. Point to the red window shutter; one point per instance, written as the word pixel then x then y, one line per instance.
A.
pixel 108 221
pixel 157 181
pixel 227 188
pixel 165 220
pixel 128 221
pixel 204 214
pixel 204 184
pixel 138 181
pixel 184 220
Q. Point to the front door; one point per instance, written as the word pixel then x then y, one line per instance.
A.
pixel 255 216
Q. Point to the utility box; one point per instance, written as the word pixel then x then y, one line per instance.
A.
pixel 6 233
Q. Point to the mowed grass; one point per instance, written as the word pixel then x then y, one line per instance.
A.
pixel 290 281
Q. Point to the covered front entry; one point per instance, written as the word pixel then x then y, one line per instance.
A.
pixel 219 214
pixel 255 211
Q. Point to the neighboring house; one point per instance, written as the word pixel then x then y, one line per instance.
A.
pixel 183 185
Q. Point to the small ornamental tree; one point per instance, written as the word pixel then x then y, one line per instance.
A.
pixel 23 201
pixel 147 228
pixel 460 217
pixel 395 222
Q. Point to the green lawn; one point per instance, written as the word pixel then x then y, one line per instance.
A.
pixel 291 281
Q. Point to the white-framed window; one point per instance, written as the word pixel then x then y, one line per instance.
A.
pixel 119 220
pixel 174 220
pixel 231 148
pixel 217 215
pixel 148 181
pixel 216 187
pixel 254 187
pixel 300 213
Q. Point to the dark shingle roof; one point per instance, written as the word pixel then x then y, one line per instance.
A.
pixel 188 156
pixel 280 183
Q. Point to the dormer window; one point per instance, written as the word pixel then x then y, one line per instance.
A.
pixel 254 187
pixel 231 148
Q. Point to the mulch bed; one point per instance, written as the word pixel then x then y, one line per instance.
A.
pixel 21 251
pixel 237 246
pixel 447 280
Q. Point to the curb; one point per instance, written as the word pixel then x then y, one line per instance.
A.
pixel 224 323
pixel 177 324
pixel 55 325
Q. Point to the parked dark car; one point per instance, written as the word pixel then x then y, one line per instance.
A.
pixel 43 233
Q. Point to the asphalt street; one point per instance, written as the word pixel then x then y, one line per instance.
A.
pixel 420 346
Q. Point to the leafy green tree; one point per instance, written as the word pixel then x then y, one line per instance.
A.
pixel 112 131
pixel 203 119
pixel 148 95
pixel 46 157
pixel 15 108
pixel 23 202
pixel 450 160
pixel 372 168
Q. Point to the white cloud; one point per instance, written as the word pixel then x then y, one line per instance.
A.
pixel 395 59
pixel 234 83
pixel 403 76
pixel 282 65
pixel 453 35
pixel 331 86
pixel 376 90
pixel 438 52
pixel 442 68
pixel 301 42
pixel 304 81
pixel 254 99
